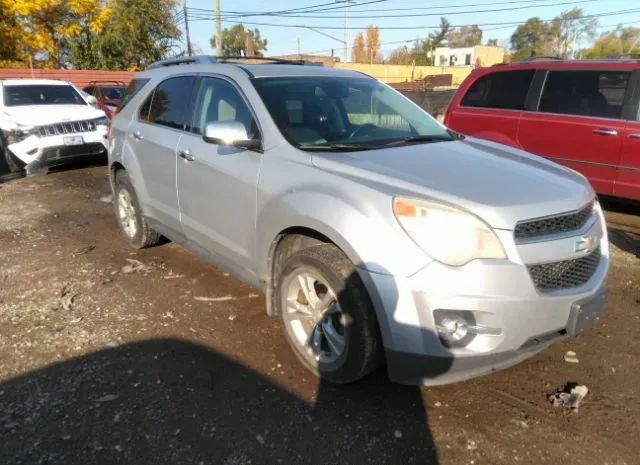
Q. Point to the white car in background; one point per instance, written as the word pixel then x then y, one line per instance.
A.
pixel 45 123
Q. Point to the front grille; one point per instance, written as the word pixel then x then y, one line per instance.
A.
pixel 566 274
pixel 70 127
pixel 554 224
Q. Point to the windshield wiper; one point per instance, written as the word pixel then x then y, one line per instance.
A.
pixel 422 138
pixel 337 147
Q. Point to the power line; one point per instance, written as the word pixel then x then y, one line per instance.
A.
pixel 508 23
pixel 446 13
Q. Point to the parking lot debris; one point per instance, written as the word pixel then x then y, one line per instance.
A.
pixel 108 398
pixel 135 266
pixel 571 357
pixel 260 439
pixel 106 198
pixel 397 434
pixel 569 396
pixel 66 298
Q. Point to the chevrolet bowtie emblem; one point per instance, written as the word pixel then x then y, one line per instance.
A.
pixel 586 244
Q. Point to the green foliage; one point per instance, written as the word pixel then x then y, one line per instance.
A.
pixel 531 39
pixel 466 36
pixel 237 41
pixel 138 33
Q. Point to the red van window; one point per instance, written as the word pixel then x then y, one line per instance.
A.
pixel 598 94
pixel 504 90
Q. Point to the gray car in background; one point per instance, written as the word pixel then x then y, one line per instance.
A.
pixel 376 234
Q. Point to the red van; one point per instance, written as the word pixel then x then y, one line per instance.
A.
pixel 582 114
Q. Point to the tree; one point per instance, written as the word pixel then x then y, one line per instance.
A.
pixel 358 50
pixel 401 56
pixel 465 36
pixel 10 55
pixel 568 29
pixel 372 46
pixel 47 26
pixel 619 42
pixel 531 39
pixel 492 42
pixel 138 33
pixel 236 40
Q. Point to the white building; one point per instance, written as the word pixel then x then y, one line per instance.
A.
pixel 478 55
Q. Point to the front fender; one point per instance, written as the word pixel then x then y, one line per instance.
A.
pixel 370 238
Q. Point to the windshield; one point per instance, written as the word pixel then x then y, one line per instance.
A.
pixel 41 95
pixel 112 93
pixel 343 113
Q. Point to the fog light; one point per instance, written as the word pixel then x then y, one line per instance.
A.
pixel 453 328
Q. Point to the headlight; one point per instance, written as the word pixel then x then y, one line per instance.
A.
pixel 19 134
pixel 102 121
pixel 448 234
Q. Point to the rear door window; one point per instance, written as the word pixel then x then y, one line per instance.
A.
pixel 598 94
pixel 502 90
pixel 171 103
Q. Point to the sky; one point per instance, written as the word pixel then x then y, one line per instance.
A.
pixel 417 21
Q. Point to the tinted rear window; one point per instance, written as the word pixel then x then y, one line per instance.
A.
pixel 506 90
pixel 132 89
pixel 597 94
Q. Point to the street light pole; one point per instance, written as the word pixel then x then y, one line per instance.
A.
pixel 216 7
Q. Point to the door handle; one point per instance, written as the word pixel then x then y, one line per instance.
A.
pixel 605 132
pixel 635 135
pixel 137 135
pixel 186 154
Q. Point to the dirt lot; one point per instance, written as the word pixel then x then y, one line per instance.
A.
pixel 110 355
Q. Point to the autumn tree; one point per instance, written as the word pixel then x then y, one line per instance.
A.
pixel 10 53
pixel 372 44
pixel 44 28
pixel 138 33
pixel 619 42
pixel 237 39
pixel 465 36
pixel 358 50
pixel 401 56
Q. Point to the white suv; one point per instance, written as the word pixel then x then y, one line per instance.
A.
pixel 45 123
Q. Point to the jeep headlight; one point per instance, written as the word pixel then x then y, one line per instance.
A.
pixel 102 121
pixel 448 234
pixel 19 133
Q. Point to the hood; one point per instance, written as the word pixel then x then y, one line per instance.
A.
pixel 499 184
pixel 39 115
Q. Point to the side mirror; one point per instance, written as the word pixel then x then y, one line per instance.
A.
pixel 91 100
pixel 230 133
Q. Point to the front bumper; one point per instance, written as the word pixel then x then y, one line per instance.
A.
pixel 37 152
pixel 500 294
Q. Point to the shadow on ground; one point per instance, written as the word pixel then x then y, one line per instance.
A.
pixel 624 224
pixel 171 401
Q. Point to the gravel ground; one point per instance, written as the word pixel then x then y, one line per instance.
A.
pixel 110 355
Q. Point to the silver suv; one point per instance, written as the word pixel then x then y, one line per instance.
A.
pixel 376 233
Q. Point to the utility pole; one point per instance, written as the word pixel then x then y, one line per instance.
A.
pixel 299 48
pixel 186 27
pixel 216 7
pixel 346 30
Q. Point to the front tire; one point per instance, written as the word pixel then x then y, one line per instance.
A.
pixel 130 219
pixel 328 317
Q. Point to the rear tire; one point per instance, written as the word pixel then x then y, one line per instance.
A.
pixel 328 317
pixel 127 208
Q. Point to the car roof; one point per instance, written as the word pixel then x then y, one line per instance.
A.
pixel 34 82
pixel 554 63
pixel 250 70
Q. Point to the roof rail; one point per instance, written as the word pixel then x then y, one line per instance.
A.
pixel 210 59
pixel 192 60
